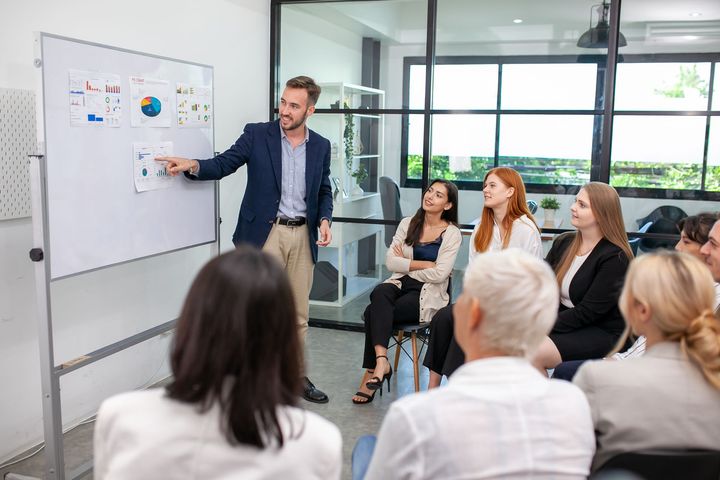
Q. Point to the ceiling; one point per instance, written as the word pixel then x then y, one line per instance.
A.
pixel 695 24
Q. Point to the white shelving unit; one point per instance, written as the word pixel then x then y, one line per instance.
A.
pixel 342 253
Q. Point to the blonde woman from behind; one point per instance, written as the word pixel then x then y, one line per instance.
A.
pixel 669 398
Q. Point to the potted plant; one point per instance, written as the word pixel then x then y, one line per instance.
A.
pixel 351 149
pixel 549 205
pixel 359 175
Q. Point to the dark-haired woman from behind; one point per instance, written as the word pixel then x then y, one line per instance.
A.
pixel 421 257
pixel 231 408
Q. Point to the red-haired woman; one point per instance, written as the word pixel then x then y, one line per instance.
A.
pixel 505 222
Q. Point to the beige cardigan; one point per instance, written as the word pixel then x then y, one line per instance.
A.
pixel 433 295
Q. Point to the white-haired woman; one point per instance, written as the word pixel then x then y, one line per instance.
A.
pixel 670 397
pixel 498 417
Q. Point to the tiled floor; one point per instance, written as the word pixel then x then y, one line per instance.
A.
pixel 334 359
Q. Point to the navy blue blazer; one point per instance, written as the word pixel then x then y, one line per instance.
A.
pixel 259 147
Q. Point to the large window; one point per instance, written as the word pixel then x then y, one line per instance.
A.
pixel 534 115
pixel 543 117
pixel 662 112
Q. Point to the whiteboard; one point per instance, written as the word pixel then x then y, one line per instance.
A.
pixel 95 215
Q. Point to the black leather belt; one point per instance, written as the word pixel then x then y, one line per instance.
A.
pixel 290 222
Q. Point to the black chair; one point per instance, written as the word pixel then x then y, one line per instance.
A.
pixel 669 212
pixel 413 332
pixel 662 225
pixel 390 201
pixel 635 242
pixel 532 206
pixel 661 464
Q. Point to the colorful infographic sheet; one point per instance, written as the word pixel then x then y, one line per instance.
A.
pixel 194 105
pixel 94 98
pixel 149 174
pixel 149 102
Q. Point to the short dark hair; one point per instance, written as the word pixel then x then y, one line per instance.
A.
pixel 697 227
pixel 313 89
pixel 237 345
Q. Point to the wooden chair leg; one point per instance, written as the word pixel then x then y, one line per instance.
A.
pixel 398 347
pixel 416 373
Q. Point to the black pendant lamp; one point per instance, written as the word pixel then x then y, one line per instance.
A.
pixel 598 36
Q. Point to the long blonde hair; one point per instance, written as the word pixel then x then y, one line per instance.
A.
pixel 605 206
pixel 517 207
pixel 680 294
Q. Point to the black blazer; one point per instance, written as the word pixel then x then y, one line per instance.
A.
pixel 595 288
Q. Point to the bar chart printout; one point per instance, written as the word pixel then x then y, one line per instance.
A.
pixel 94 98
pixel 149 174
pixel 194 105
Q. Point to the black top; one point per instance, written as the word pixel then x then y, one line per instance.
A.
pixel 428 251
pixel 595 288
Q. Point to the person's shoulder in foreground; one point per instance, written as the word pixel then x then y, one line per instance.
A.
pixel 512 423
pixel 149 434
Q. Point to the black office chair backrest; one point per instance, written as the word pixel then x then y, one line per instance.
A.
pixel 635 242
pixel 660 464
pixel 532 206
pixel 662 225
pixel 669 212
pixel 390 201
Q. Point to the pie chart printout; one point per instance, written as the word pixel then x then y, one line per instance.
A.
pixel 150 106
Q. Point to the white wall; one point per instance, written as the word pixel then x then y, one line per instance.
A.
pixel 314 47
pixel 95 309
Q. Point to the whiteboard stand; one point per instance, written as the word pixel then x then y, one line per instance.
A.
pixel 56 231
pixel 49 372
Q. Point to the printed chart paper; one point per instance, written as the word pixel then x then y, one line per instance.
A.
pixel 94 99
pixel 194 105
pixel 149 174
pixel 149 102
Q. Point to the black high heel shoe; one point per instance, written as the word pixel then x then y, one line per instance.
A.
pixel 375 383
pixel 368 398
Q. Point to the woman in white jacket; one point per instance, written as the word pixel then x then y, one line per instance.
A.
pixel 421 257
pixel 505 222
pixel 230 410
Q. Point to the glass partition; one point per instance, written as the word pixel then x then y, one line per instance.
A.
pixel 513 83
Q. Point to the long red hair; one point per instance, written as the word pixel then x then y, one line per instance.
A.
pixel 517 207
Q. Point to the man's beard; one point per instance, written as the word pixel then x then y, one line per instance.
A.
pixel 298 123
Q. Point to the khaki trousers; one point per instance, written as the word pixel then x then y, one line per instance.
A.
pixel 291 246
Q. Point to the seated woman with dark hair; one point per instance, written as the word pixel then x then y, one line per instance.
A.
pixel 421 257
pixel 670 397
pixel 231 408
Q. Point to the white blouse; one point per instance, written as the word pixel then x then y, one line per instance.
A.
pixel 567 279
pixel 524 235
pixel 496 418
pixel 145 434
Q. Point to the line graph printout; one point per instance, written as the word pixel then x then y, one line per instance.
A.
pixel 94 99
pixel 149 102
pixel 149 174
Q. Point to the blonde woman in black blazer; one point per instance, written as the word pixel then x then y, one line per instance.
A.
pixel 590 267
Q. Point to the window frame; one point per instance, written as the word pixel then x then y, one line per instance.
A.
pixel 600 163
